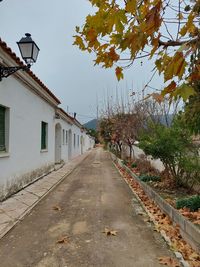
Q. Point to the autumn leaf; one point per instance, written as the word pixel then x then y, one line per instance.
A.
pixel 127 31
pixel 110 232
pixel 163 223
pixel 158 97
pixel 56 207
pixel 131 6
pixel 79 42
pixel 185 91
pixel 63 240
pixel 119 73
pixel 169 89
pixel 169 262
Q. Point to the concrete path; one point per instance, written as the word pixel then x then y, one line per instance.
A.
pixel 92 197
pixel 16 207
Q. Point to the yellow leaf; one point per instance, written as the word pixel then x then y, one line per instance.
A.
pixel 131 6
pixel 110 232
pixel 79 42
pixel 180 16
pixel 184 91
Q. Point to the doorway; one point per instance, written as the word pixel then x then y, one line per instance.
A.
pixel 58 143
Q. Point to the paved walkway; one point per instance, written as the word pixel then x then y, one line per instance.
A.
pixel 92 197
pixel 16 207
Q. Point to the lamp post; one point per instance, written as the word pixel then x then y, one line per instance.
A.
pixel 29 52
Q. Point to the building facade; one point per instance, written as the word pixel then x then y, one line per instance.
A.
pixel 35 134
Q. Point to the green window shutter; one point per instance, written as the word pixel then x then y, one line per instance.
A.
pixel 43 135
pixel 2 128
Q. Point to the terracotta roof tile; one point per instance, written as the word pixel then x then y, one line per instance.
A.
pixel 70 117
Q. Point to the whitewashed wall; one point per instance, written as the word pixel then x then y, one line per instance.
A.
pixel 89 142
pixel 25 161
pixel 76 146
pixel 65 127
pixel 27 110
pixel 137 152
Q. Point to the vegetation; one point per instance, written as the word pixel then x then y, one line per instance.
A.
pixel 93 133
pixel 134 165
pixel 192 203
pixel 167 32
pixel 174 147
pixel 149 178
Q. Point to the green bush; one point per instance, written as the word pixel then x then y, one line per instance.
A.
pixel 125 162
pixel 175 148
pixel 148 178
pixel 133 165
pixel 193 203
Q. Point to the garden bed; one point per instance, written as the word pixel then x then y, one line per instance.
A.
pixel 188 230
pixel 166 189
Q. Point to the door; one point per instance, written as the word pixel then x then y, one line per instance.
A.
pixel 58 143
pixel 82 144
pixel 70 145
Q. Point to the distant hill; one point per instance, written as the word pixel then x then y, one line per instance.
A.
pixel 91 124
pixel 159 118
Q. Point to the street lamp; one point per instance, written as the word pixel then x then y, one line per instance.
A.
pixel 29 52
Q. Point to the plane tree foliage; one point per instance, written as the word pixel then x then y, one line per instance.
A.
pixel 165 31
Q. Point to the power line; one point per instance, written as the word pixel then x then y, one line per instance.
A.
pixel 86 116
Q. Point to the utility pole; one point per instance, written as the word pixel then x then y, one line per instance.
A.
pixel 97 105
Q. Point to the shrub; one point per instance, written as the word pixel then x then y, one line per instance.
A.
pixel 144 165
pixel 171 146
pixel 148 178
pixel 193 203
pixel 134 165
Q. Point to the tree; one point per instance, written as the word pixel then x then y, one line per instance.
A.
pixel 191 115
pixel 163 30
pixel 174 147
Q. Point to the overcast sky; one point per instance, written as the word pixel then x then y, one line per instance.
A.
pixel 66 71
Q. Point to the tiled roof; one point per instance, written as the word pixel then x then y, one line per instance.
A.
pixel 8 50
pixel 66 114
pixel 71 118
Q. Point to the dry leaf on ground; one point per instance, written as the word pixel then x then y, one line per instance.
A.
pixel 64 239
pixel 110 232
pixel 169 262
pixel 164 223
pixel 56 207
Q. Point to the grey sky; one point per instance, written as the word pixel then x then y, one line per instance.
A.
pixel 66 71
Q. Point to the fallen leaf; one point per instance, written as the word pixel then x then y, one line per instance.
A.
pixel 169 262
pixel 62 240
pixel 141 213
pixel 58 208
pixel 110 232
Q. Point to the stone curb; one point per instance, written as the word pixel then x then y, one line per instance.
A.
pixel 51 188
pixel 188 230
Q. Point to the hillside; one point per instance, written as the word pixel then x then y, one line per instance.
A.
pixel 91 124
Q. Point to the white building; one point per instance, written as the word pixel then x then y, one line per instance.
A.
pixel 35 133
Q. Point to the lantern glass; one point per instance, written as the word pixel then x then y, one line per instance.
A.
pixel 28 49
pixel 35 52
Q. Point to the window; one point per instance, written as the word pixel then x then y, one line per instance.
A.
pixel 2 128
pixel 74 140
pixel 63 137
pixel 44 131
pixel 66 137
